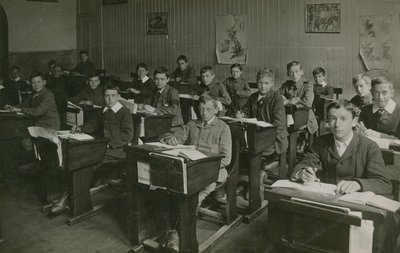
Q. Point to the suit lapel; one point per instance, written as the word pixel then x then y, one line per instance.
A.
pixel 351 148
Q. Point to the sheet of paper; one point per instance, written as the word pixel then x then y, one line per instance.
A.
pixel 316 187
pixel 360 198
pixel 382 143
pixel 192 154
pixel 163 145
pixel 143 172
pixel 76 136
pixel 361 238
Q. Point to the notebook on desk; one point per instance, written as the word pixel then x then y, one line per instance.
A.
pixel 371 199
pixel 315 187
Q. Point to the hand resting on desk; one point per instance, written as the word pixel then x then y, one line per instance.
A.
pixel 170 140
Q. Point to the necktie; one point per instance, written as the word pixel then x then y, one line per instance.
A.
pixel 156 99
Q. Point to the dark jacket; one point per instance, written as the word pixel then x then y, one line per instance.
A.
pixel 168 103
pixel 270 109
pixel 146 91
pixel 187 76
pixel 85 68
pixel 42 107
pixel 362 161
pixel 362 101
pixel 96 96
pixel 239 91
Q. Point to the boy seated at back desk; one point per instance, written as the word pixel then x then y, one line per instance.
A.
pixel 381 119
pixel 344 157
pixel 117 126
pixel 208 134
pixel 92 94
pixel 165 99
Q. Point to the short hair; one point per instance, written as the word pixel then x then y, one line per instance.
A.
pixel 346 104
pixel 92 74
pixel 206 69
pixel 111 85
pixel 142 65
pixel 83 52
pixel 182 57
pixel 161 70
pixel 52 62
pixel 381 80
pixel 206 97
pixel 15 67
pixel 318 70
pixel 237 65
pixel 359 77
pixel 291 64
pixel 37 74
pixel 265 72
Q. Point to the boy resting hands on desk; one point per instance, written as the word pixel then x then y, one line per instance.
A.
pixel 344 157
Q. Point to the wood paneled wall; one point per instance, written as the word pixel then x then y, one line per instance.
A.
pixel 276 36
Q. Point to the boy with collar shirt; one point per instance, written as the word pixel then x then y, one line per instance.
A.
pixel 19 88
pixel 345 158
pixel 184 73
pixel 381 119
pixel 165 99
pixel 85 67
pixel 362 86
pixel 143 88
pixel 321 88
pixel 92 94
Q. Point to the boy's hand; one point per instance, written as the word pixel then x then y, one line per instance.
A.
pixel 346 187
pixel 15 109
pixel 220 107
pixel 76 129
pixel 239 115
pixel 149 109
pixel 7 107
pixel 170 140
pixel 133 90
pixel 360 127
pixel 86 102
pixel 196 97
pixel 308 175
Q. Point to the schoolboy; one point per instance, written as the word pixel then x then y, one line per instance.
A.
pixel 116 125
pixel 267 105
pixel 238 89
pixel 58 85
pixel 207 134
pixel 184 73
pixel 321 88
pixel 345 158
pixel 40 105
pixel 92 94
pixel 16 83
pixel 143 87
pixel 362 86
pixel 85 67
pixel 299 91
pixel 217 90
pixel 165 99
pixel 381 118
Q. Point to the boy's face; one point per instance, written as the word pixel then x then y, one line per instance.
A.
pixel 84 57
pixel 182 64
pixel 161 80
pixel 382 94
pixel 295 73
pixel 341 123
pixel 94 82
pixel 58 72
pixel 142 72
pixel 319 78
pixel 14 73
pixel 207 77
pixel 111 97
pixel 207 111
pixel 265 84
pixel 236 73
pixel 38 83
pixel 362 88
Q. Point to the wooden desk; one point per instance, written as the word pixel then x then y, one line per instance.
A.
pixel 79 158
pixel 200 174
pixel 300 118
pixel 300 226
pixel 185 91
pixel 154 126
pixel 13 128
pixel 258 139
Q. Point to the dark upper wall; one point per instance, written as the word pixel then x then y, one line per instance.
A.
pixel 40 31
pixel 275 36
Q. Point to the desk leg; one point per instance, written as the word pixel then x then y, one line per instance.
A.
pixel 254 183
pixel 79 192
pixel 292 150
pixel 187 224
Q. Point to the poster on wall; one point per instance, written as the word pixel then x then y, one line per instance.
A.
pixel 322 18
pixel 231 39
pixel 157 23
pixel 377 38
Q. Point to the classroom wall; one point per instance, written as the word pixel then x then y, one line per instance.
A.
pixel 45 30
pixel 276 36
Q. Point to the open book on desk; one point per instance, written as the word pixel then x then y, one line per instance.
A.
pixel 248 120
pixel 315 187
pixel 190 153
pixel 163 145
pixel 74 136
pixel 371 199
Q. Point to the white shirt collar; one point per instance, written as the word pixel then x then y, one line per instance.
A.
pixel 115 108
pixel 209 122
pixel 260 96
pixel 145 78
pixel 160 91
pixel 390 106
pixel 17 79
pixel 323 84
pixel 341 146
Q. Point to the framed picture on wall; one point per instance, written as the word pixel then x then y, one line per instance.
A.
pixel 157 23
pixel 115 1
pixel 322 18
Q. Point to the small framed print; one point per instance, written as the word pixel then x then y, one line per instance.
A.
pixel 157 23
pixel 322 18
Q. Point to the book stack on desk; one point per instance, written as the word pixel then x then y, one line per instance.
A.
pixel 371 199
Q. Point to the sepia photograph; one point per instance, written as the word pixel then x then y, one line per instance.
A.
pixel 185 126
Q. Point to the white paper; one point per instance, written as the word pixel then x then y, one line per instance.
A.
pixel 316 187
pixel 143 172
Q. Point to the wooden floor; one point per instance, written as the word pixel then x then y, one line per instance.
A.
pixel 26 229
